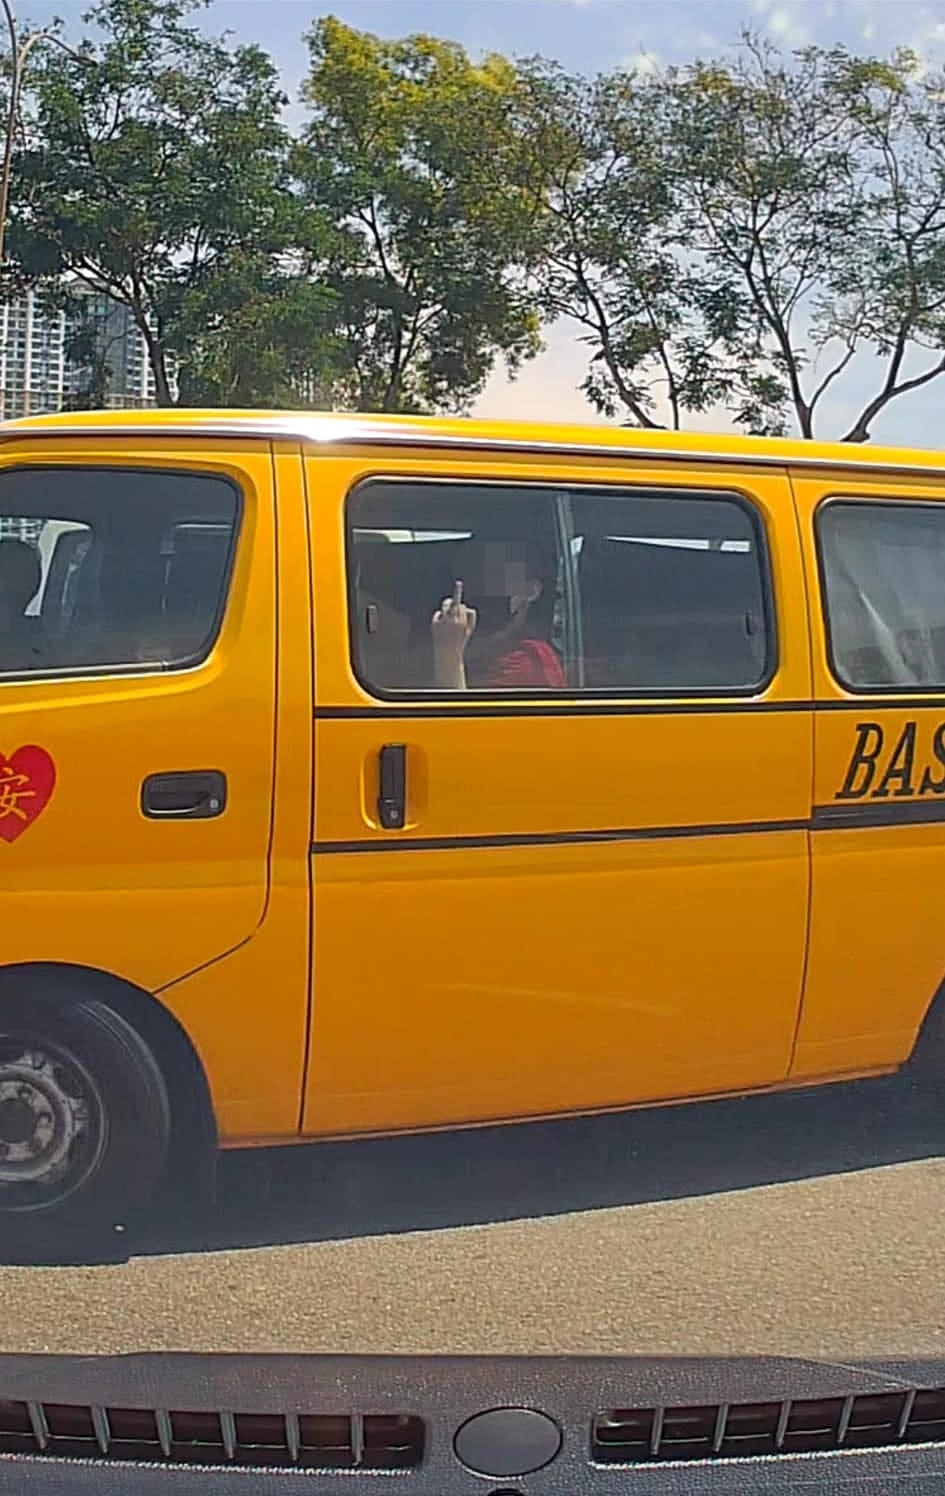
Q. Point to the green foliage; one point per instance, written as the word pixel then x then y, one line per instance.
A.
pixel 153 163
pixel 616 262
pixel 733 234
pixel 413 153
pixel 889 286
pixel 809 194
pixel 770 201
pixel 260 336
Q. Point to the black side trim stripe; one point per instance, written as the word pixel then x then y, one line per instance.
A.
pixel 546 706
pixel 556 838
pixel 878 703
pixel 877 813
pixel 824 818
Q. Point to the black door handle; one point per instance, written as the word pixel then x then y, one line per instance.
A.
pixel 194 795
pixel 392 786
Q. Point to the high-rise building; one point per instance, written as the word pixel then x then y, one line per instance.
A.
pixel 37 373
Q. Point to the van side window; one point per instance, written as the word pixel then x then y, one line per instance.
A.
pixel 112 568
pixel 495 587
pixel 883 576
pixel 455 587
pixel 672 590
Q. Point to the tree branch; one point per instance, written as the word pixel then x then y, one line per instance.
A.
pixel 860 430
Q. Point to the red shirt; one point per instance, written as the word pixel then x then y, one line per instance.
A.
pixel 533 663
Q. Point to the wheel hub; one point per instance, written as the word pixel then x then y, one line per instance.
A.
pixel 17 1121
pixel 46 1125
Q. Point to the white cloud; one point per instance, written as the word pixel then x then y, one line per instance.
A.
pixel 785 20
pixel 646 63
pixel 930 38
pixel 784 26
pixel 928 33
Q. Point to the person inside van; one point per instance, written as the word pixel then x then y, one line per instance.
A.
pixel 23 643
pixel 502 644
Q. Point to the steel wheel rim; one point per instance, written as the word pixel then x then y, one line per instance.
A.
pixel 53 1123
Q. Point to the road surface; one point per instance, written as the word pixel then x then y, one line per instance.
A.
pixel 794 1225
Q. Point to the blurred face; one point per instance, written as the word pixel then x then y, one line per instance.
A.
pixel 506 575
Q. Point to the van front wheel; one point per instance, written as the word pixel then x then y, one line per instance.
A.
pixel 84 1114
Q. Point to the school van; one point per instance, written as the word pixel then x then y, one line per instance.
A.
pixel 366 775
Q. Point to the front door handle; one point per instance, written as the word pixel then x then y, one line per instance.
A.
pixel 392 786
pixel 193 795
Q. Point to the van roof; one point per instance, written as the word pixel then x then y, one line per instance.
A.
pixel 318 429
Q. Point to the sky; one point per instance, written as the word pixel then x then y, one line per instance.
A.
pixel 592 36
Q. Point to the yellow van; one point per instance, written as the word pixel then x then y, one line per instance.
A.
pixel 365 775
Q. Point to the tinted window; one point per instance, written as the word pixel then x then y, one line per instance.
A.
pixel 495 587
pixel 111 567
pixel 884 584
pixel 672 592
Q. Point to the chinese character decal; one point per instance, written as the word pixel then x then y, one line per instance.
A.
pixel 27 780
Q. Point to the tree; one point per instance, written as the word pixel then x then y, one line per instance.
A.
pixel 617 263
pixel 152 168
pixel 261 333
pixel 815 187
pixel 735 233
pixel 892 279
pixel 412 152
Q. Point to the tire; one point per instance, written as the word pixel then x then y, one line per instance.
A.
pixel 927 1062
pixel 85 1116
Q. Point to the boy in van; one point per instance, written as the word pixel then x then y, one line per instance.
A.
pixel 511 652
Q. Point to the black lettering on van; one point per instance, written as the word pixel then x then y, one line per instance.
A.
pixel 862 766
pixel 900 767
pixel 928 785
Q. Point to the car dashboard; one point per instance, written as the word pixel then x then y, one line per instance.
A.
pixel 255 1425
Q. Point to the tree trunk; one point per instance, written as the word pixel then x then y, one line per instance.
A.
pixel 162 387
pixel 156 358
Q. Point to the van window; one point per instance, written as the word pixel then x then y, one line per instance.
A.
pixel 599 590
pixel 672 592
pixel 111 568
pixel 883 573
pixel 412 545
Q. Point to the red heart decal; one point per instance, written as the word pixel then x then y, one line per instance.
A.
pixel 27 780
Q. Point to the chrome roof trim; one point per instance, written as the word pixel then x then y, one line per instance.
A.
pixel 347 431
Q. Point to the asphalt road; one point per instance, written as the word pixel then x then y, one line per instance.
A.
pixel 797 1225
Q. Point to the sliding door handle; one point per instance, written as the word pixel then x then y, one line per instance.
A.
pixel 392 786
pixel 196 795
